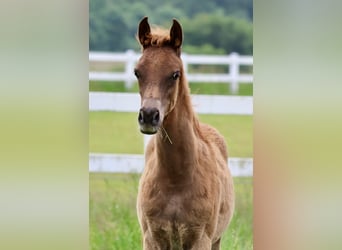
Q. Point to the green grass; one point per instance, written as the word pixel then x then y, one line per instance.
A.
pixel 116 132
pixel 112 218
pixel 111 87
pixel 245 89
pixel 114 224
pixel 107 66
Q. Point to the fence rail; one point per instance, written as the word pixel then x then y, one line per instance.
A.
pixel 203 104
pixel 132 163
pixel 233 61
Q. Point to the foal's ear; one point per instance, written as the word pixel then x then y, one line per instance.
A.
pixel 144 32
pixel 176 34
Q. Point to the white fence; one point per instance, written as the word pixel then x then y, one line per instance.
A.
pixel 129 58
pixel 129 102
pixel 203 104
pixel 132 163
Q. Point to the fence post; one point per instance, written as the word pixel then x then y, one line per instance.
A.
pixel 234 72
pixel 185 63
pixel 129 68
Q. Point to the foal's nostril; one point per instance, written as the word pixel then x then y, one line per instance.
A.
pixel 141 117
pixel 155 118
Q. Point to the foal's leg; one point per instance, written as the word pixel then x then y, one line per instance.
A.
pixel 148 244
pixel 202 244
pixel 152 244
pixel 216 245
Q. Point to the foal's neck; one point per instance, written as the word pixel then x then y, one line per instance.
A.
pixel 176 141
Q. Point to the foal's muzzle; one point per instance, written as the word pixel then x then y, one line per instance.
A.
pixel 149 120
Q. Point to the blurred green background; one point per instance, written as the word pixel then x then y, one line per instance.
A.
pixel 210 27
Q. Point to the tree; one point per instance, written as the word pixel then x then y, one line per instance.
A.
pixel 225 32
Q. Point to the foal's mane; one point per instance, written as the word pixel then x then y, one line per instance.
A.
pixel 159 37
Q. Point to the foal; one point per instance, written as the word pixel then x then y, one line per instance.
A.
pixel 186 194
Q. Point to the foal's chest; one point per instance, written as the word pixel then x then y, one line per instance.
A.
pixel 174 223
pixel 174 207
pixel 167 206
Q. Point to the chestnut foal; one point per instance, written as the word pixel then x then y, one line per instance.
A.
pixel 186 193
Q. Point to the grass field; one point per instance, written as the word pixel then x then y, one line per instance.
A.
pixel 114 224
pixel 115 132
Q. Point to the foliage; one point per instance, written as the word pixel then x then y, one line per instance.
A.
pixel 204 49
pixel 222 32
pixel 218 26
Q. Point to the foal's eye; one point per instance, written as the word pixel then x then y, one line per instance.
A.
pixel 136 73
pixel 175 75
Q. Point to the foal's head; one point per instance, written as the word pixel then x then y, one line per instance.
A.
pixel 159 74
